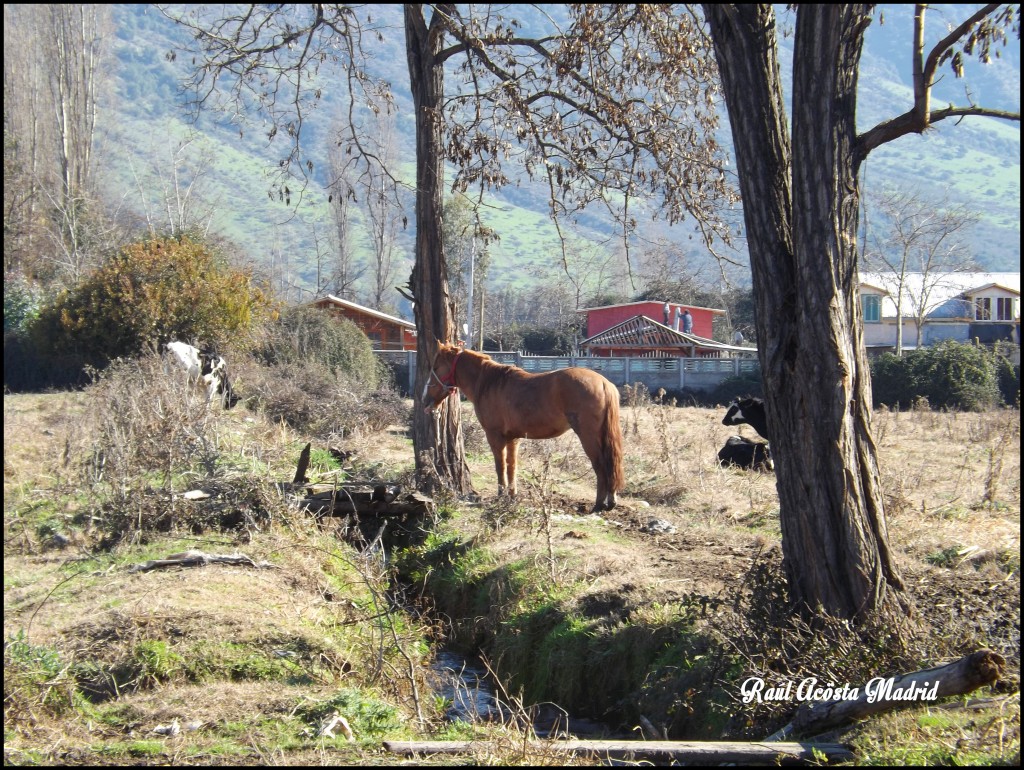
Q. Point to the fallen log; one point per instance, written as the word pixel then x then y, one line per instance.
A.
pixel 885 693
pixel 695 752
pixel 195 558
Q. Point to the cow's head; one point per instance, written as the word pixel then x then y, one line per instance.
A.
pixel 739 410
pixel 215 375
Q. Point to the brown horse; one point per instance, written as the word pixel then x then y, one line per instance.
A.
pixel 512 404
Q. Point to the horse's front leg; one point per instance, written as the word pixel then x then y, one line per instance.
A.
pixel 498 446
pixel 511 460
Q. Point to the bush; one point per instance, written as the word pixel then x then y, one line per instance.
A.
pixel 321 376
pixel 307 334
pixel 951 374
pixel 1008 373
pixel 748 384
pixel 311 398
pixel 148 293
pixel 545 341
pixel 893 382
pixel 21 304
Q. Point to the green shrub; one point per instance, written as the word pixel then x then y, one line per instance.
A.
pixel 740 386
pixel 548 341
pixel 892 381
pixel 306 334
pixel 319 374
pixel 959 375
pixel 951 374
pixel 21 304
pixel 1008 373
pixel 150 292
pixel 35 678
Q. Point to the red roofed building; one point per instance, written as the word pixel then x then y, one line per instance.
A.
pixel 648 329
pixel 601 318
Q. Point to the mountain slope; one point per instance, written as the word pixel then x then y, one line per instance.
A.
pixel 977 162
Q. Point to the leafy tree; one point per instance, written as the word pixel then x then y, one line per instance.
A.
pixel 148 293
pixel 801 199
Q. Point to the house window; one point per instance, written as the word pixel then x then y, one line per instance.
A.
pixel 983 309
pixel 872 307
pixel 1004 308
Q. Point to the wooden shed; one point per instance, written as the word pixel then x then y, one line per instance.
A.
pixel 386 332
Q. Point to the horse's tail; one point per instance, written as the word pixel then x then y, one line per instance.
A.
pixel 611 441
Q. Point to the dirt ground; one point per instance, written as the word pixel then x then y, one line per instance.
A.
pixel 685 527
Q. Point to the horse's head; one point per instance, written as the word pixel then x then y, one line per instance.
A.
pixel 441 378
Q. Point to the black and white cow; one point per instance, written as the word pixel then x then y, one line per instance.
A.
pixel 208 367
pixel 750 411
pixel 744 453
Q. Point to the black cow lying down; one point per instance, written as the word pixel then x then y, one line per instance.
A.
pixel 744 453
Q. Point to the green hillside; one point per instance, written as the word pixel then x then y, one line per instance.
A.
pixel 978 162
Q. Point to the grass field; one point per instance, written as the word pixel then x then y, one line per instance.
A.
pixel 236 665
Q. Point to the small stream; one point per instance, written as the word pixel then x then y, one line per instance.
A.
pixel 471 693
pixel 468 687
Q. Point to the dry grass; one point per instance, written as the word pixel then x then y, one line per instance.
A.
pixel 952 489
pixel 951 481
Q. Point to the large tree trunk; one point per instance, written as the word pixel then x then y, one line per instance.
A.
pixel 437 437
pixel 800 206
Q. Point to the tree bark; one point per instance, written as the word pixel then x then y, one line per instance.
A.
pixel 437 437
pixel 800 206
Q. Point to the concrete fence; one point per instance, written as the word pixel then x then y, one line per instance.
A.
pixel 654 373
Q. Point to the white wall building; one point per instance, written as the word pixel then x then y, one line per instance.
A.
pixel 958 306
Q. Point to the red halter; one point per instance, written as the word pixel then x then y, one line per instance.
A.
pixel 448 382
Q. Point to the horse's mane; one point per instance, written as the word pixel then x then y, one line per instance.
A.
pixel 492 373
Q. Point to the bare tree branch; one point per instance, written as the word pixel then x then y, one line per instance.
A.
pixel 977 33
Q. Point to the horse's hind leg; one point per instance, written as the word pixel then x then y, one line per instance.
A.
pixel 592 446
pixel 605 493
pixel 602 491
